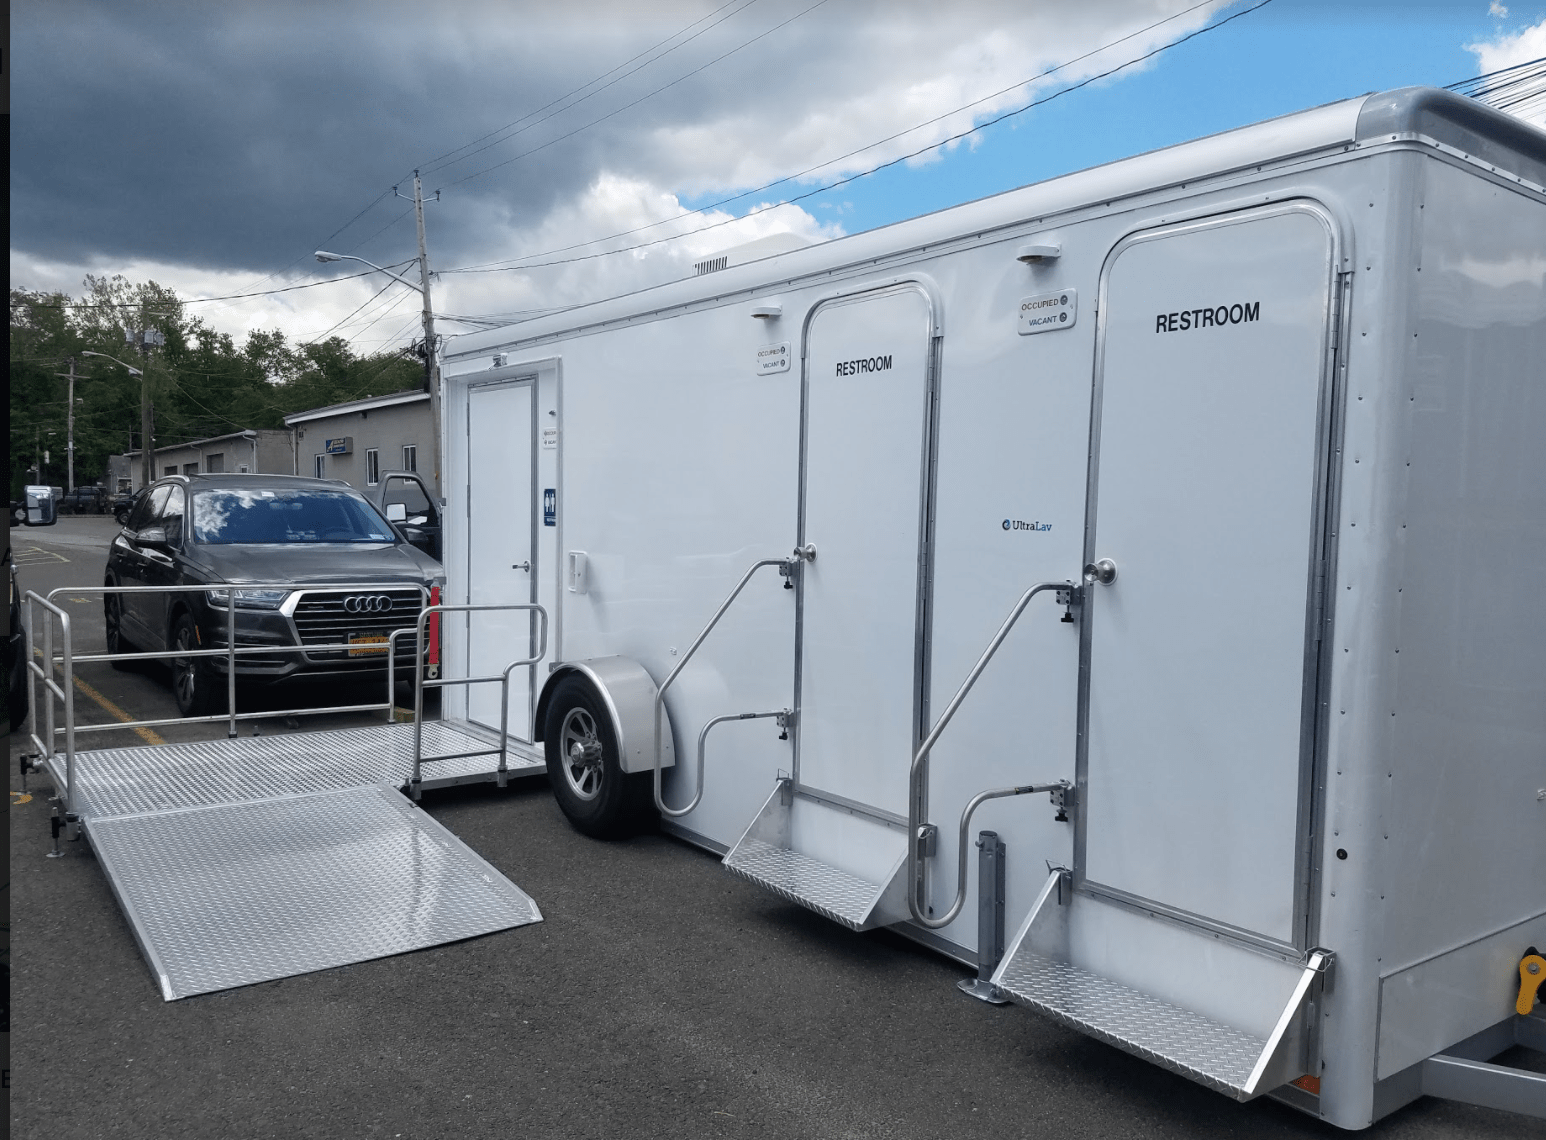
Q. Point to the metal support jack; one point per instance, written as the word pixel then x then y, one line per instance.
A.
pixel 990 919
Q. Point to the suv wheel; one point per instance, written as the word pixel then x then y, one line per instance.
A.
pixel 112 624
pixel 194 684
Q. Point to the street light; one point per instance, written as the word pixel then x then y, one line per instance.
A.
pixel 146 459
pixel 431 370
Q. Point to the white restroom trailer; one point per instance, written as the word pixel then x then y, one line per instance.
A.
pixel 1263 414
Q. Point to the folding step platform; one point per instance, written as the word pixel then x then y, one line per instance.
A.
pixel 843 860
pixel 1240 1060
pixel 246 860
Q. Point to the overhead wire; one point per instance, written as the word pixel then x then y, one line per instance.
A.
pixel 879 167
pixel 436 163
pixel 765 187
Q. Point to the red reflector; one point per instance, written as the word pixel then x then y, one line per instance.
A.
pixel 1308 1083
pixel 434 627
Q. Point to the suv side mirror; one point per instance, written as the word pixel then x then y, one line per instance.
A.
pixel 397 512
pixel 154 536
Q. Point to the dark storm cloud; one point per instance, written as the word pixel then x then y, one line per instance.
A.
pixel 237 137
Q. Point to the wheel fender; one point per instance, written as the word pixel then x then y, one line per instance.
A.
pixel 628 692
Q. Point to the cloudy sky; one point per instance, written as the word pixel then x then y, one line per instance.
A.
pixel 593 147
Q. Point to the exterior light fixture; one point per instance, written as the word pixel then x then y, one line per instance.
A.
pixel 768 312
pixel 1037 252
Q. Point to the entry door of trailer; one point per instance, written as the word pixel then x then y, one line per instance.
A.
pixel 864 488
pixel 501 540
pixel 1207 487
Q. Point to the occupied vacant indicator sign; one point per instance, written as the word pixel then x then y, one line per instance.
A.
pixel 341 446
pixel 1047 311
pixel 773 358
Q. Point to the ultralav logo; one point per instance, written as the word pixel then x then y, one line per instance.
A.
pixel 1021 524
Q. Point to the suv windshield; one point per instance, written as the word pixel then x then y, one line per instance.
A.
pixel 243 516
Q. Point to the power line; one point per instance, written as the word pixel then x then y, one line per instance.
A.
pixel 882 166
pixel 432 163
pixel 842 157
pixel 641 98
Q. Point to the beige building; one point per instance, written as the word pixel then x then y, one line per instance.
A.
pixel 261 450
pixel 360 441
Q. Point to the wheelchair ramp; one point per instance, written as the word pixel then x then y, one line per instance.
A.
pixel 231 894
pixel 837 861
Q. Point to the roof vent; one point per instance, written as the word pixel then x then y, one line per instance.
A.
pixel 770 246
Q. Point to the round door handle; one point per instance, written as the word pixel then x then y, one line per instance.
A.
pixel 1103 571
pixel 526 566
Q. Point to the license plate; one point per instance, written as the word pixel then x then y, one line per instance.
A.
pixel 369 644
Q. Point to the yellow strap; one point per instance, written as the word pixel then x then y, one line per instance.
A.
pixel 1532 972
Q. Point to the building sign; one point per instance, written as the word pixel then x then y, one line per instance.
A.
pixel 550 506
pixel 341 446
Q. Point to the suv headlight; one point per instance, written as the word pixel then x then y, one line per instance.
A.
pixel 251 599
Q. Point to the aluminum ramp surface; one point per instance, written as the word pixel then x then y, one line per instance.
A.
pixel 123 781
pixel 232 894
pixel 246 860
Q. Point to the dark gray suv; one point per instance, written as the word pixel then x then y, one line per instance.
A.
pixel 320 534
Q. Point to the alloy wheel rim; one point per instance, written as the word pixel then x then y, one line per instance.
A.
pixel 582 754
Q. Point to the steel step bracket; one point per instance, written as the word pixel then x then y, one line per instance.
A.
pixel 1242 1063
pixel 841 861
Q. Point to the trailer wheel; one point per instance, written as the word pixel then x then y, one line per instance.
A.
pixel 598 797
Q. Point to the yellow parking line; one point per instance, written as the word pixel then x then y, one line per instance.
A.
pixel 145 734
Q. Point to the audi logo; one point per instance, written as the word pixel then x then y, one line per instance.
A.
pixel 367 604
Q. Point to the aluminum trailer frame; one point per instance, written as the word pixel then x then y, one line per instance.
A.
pixel 1266 405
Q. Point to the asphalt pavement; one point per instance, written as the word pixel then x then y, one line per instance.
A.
pixel 660 996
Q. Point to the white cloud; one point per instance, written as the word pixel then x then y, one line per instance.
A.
pixel 1510 50
pixel 1496 9
pixel 348 94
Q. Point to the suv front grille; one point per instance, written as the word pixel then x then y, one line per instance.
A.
pixel 322 618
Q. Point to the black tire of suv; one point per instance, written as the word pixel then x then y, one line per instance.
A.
pixel 112 627
pixel 592 790
pixel 195 686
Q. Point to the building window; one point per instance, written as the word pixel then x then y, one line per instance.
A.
pixel 190 468
pixel 215 464
pixel 321 471
pixel 171 470
pixel 410 458
pixel 372 466
pixel 243 469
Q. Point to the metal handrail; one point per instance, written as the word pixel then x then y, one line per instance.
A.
pixel 917 830
pixel 801 555
pixel 703 736
pixel 420 684
pixel 65 691
pixel 231 651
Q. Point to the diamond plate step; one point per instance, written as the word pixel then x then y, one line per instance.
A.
pixel 1188 1043
pixel 1037 971
pixel 232 894
pixel 768 855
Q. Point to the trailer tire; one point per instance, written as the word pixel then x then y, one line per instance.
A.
pixel 592 790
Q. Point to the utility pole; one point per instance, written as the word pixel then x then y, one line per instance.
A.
pixel 69 422
pixel 431 366
pixel 145 339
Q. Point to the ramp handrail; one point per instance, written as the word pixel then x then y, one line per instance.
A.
pixel 420 684
pixel 68 659
pixel 788 566
pixel 918 831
